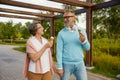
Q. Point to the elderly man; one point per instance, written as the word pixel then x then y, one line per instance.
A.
pixel 71 41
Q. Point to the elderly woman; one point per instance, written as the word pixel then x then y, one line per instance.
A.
pixel 39 64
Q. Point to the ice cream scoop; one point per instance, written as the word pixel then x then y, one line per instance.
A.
pixel 51 38
pixel 79 30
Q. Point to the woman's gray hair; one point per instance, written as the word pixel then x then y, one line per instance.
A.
pixel 33 28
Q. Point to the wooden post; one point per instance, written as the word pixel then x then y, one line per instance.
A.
pixel 52 32
pixel 41 22
pixel 89 61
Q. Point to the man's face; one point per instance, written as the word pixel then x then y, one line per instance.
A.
pixel 69 19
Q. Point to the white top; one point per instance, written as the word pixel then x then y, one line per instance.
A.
pixel 45 63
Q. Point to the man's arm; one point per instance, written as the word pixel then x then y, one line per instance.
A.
pixel 59 55
pixel 84 40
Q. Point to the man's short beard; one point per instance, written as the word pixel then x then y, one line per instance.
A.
pixel 66 25
pixel 69 24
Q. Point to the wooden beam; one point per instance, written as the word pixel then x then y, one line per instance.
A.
pixel 106 4
pixel 22 17
pixel 95 7
pixel 25 12
pixel 74 3
pixel 78 11
pixel 32 6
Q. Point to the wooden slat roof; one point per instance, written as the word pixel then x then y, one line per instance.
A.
pixel 75 3
pixel 32 6
pixel 50 9
pixel 22 17
pixel 25 12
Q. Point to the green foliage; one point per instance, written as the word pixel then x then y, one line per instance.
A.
pixel 14 41
pixel 9 30
pixel 6 29
pixel 111 50
pixel 25 32
pixel 98 1
pixel 106 57
pixel 107 64
pixel 47 29
pixel 59 24
pixel 106 22
pixel 114 21
pixel 106 46
pixel 22 49
pixel 18 35
pixel 1 30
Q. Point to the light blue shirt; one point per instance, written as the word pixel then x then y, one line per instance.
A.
pixel 69 47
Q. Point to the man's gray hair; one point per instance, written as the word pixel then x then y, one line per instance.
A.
pixel 68 8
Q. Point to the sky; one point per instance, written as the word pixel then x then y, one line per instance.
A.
pixel 81 19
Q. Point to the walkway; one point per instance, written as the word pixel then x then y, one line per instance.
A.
pixel 11 65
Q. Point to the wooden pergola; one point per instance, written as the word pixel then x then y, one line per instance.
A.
pixel 88 7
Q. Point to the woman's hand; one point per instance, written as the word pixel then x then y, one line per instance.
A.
pixel 50 43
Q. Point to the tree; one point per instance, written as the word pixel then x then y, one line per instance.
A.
pixel 114 21
pixel 16 31
pixel 24 31
pixel 8 30
pixel 1 30
pixel 108 19
pixel 59 24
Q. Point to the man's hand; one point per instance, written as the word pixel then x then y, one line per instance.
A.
pixel 60 72
pixel 54 67
pixel 82 37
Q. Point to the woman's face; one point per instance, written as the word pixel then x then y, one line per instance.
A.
pixel 40 29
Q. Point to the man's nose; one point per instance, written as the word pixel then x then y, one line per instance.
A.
pixel 66 19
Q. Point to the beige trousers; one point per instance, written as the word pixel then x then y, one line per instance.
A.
pixel 36 76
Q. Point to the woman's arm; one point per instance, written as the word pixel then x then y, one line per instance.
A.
pixel 34 56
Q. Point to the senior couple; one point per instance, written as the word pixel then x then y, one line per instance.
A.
pixel 70 58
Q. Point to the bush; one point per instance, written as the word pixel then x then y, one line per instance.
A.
pixel 107 46
pixel 106 57
pixel 14 41
pixel 20 41
pixel 107 64
pixel 114 51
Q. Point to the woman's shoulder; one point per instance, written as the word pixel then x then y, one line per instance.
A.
pixel 30 39
pixel 45 39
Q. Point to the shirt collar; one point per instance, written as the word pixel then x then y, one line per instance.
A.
pixel 74 28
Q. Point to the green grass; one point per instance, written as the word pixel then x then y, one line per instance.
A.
pixel 106 57
pixel 22 49
pixel 107 74
pixel 107 65
pixel 20 43
pixel 13 42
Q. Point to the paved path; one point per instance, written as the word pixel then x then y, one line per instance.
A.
pixel 11 65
